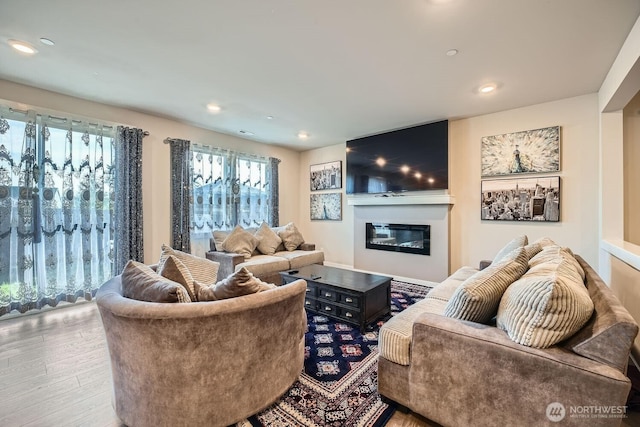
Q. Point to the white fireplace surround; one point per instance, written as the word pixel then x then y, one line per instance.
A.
pixel 430 209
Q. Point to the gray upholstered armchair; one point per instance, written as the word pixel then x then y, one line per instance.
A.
pixel 205 363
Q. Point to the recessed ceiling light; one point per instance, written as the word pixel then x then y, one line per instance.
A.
pixel 380 161
pixel 23 47
pixel 47 41
pixel 214 108
pixel 245 132
pixel 269 117
pixel 488 88
pixel 303 135
pixel 452 52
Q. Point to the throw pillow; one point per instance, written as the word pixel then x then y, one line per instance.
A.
pixel 218 238
pixel 204 293
pixel 240 241
pixel 242 282
pixel 203 270
pixel 553 252
pixel 532 249
pixel 478 297
pixel 207 293
pixel 545 241
pixel 141 283
pixel 268 240
pixel 291 237
pixel 173 269
pixel 517 242
pixel 546 305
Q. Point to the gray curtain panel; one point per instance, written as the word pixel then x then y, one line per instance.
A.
pixel 181 188
pixel 128 190
pixel 274 195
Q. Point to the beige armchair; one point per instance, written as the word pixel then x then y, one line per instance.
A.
pixel 205 363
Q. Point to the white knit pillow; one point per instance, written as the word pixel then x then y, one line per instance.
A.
pixel 517 242
pixel 547 305
pixel 478 297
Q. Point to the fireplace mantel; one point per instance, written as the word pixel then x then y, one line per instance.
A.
pixel 400 199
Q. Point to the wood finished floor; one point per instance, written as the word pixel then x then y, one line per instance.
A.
pixel 54 371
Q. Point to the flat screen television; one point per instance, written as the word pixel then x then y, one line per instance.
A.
pixel 410 159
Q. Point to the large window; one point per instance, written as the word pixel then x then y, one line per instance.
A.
pixel 229 189
pixel 56 209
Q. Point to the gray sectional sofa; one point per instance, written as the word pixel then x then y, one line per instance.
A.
pixel 525 365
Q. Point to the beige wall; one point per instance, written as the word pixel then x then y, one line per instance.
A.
pixel 631 154
pixel 334 237
pixel 625 283
pixel 156 201
pixel 472 239
pixel 619 259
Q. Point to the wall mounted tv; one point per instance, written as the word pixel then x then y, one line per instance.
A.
pixel 411 159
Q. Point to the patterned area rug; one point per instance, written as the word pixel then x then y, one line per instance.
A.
pixel 339 384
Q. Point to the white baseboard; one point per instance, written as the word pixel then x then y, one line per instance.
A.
pixel 398 278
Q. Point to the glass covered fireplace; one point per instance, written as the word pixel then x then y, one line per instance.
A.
pixel 412 239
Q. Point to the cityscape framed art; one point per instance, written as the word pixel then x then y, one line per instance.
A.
pixel 521 199
pixel 326 176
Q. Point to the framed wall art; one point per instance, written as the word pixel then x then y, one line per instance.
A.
pixel 521 199
pixel 326 207
pixel 530 151
pixel 326 176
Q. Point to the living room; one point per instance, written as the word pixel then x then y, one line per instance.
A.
pixel 594 216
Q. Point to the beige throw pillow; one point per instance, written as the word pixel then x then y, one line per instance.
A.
pixel 201 269
pixel 478 297
pixel 141 283
pixel 240 241
pixel 291 237
pixel 517 242
pixel 218 238
pixel 545 306
pixel 242 282
pixel 173 269
pixel 268 240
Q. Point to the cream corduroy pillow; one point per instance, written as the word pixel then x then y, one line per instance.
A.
pixel 478 297
pixel 202 270
pixel 545 306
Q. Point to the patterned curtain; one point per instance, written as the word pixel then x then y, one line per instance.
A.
pixel 181 213
pixel 273 199
pixel 128 186
pixel 230 188
pixel 56 208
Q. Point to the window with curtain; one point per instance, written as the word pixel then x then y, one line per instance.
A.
pixel 230 188
pixel 56 209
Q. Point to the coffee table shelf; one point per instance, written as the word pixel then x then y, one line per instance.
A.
pixel 346 295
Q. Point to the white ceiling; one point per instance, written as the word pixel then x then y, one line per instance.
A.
pixel 335 69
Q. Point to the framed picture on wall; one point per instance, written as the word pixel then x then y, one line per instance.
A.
pixel 326 176
pixel 521 199
pixel 529 151
pixel 326 207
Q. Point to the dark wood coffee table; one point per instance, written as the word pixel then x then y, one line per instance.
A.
pixel 351 296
